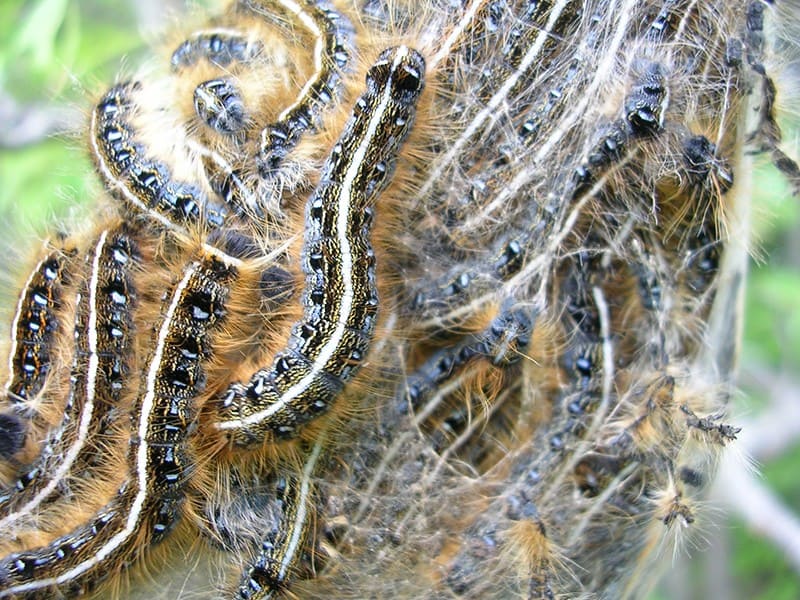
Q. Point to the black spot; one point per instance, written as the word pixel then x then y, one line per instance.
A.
pixel 202 306
pixel 148 180
pixel 189 348
pixel 12 435
pixel 691 477
pixel 182 200
pixel 510 259
pixel 277 285
pixel 734 52
pixel 165 518
pixel 117 293
pixel 298 121
pixel 583 365
pixel 114 133
pixel 181 377
pixel 50 269
pixel 235 243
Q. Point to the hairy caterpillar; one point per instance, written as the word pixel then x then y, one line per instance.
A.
pixel 532 406
pixel 102 332
pixel 340 300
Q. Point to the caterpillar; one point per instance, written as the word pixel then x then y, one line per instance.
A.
pixel 391 299
pixel 103 334
pixel 340 299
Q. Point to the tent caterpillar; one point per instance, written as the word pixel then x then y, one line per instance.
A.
pixel 145 184
pixel 340 299
pixel 548 257
pixel 330 30
pixel 33 328
pixel 146 504
pixel 103 332
pixel 221 47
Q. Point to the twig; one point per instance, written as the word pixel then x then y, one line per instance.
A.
pixel 760 508
pixel 24 125
pixel 778 427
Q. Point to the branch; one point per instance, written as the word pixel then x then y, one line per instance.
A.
pixel 25 125
pixel 760 508
pixel 778 427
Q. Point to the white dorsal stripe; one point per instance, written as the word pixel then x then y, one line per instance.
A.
pixel 494 103
pixel 345 195
pixel 298 525
pixel 456 32
pixel 15 323
pixel 319 46
pixel 148 404
pixel 88 408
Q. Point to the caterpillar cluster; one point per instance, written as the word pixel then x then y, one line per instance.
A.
pixel 391 299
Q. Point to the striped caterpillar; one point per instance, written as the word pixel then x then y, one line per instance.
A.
pixel 340 299
pixel 376 340
pixel 102 332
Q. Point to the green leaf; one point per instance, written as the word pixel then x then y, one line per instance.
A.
pixel 37 34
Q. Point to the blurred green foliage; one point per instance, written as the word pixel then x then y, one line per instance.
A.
pixel 760 570
pixel 772 334
pixel 61 51
pixel 53 51
pixel 771 340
